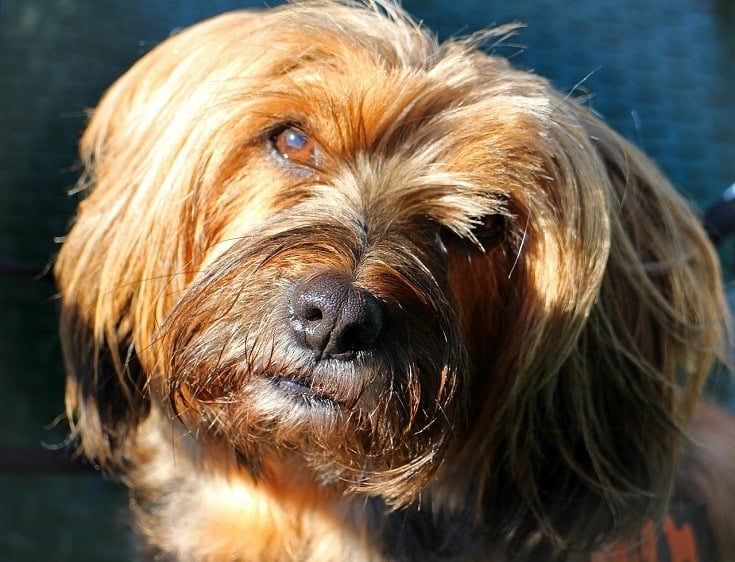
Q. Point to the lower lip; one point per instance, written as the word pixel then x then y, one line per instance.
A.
pixel 294 386
pixel 306 394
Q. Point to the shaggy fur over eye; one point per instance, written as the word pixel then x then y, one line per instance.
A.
pixel 340 292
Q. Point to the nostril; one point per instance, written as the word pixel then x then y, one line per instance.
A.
pixel 313 315
pixel 358 336
pixel 362 320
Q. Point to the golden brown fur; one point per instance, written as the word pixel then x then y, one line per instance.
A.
pixel 550 305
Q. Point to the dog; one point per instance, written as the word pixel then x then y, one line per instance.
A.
pixel 337 291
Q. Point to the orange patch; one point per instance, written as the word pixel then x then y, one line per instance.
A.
pixel 681 542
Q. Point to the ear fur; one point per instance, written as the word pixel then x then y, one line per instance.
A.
pixel 616 316
pixel 114 290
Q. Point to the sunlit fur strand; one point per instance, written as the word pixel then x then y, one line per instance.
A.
pixel 542 387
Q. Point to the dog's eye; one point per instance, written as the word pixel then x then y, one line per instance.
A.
pixel 490 231
pixel 486 235
pixel 297 147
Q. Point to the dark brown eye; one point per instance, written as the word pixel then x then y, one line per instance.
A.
pixel 490 232
pixel 486 234
pixel 297 147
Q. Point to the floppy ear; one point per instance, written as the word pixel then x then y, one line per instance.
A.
pixel 615 314
pixel 106 395
pixel 98 279
pixel 139 236
pixel 627 391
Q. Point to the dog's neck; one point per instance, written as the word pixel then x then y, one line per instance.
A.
pixel 282 513
pixel 221 515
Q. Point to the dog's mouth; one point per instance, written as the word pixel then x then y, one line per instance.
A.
pixel 305 390
pixel 292 381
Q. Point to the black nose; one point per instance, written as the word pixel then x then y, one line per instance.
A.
pixel 335 318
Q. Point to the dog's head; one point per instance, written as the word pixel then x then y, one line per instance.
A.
pixel 316 233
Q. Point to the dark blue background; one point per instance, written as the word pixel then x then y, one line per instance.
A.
pixel 661 72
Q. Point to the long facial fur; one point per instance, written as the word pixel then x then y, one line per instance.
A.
pixel 543 378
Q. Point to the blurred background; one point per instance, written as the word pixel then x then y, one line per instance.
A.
pixel 662 73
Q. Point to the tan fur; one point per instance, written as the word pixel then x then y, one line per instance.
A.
pixel 553 306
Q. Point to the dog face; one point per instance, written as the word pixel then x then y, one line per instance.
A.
pixel 314 233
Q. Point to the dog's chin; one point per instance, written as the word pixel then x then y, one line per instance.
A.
pixel 323 410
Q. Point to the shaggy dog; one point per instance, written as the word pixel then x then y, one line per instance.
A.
pixel 340 292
